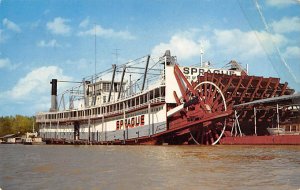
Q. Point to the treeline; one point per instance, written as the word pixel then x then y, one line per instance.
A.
pixel 16 125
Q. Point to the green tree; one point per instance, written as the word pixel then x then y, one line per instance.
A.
pixel 16 124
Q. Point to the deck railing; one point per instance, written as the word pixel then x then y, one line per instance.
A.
pixel 41 117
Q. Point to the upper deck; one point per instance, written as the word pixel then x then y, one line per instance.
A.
pixel 129 104
pixel 101 97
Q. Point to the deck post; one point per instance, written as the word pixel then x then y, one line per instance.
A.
pixel 149 110
pixel 123 123
pixel 50 130
pixel 255 121
pixel 89 125
pixel 277 113
pixel 97 136
pixel 57 125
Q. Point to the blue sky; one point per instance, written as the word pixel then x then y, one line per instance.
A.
pixel 40 40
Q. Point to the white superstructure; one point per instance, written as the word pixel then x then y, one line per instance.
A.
pixel 119 109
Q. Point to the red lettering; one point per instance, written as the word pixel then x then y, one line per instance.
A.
pixel 118 126
pixel 142 120
pixel 137 122
pixel 121 124
pixel 132 122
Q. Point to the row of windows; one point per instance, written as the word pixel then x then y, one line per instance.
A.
pixel 142 99
pixel 153 110
pixel 105 87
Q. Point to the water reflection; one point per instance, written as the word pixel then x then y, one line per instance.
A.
pixel 149 167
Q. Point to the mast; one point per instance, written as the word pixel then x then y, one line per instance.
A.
pixel 201 55
pixel 95 50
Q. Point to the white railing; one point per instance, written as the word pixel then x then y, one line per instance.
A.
pixel 41 117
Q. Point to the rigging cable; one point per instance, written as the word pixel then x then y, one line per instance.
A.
pixel 273 43
pixel 267 28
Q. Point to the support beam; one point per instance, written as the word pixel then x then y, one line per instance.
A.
pixel 121 85
pixel 86 92
pixel 89 125
pixel 277 113
pixel 255 121
pixel 112 81
pixel 145 73
pixel 256 89
pixel 149 113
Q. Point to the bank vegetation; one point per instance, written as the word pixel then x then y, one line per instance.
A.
pixel 16 125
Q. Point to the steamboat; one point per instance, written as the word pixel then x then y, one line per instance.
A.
pixel 160 102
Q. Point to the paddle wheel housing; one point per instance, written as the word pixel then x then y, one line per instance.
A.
pixel 206 108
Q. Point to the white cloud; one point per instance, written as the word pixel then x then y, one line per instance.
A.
pixel 50 43
pixel 292 52
pixel 281 3
pixel 84 23
pixel 47 11
pixel 4 62
pixel 107 33
pixel 2 36
pixel 229 43
pixel 246 44
pixel 181 45
pixel 80 64
pixel 59 26
pixel 36 83
pixel 11 25
pixel 35 24
pixel 286 25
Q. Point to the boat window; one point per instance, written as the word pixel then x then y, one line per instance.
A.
pixel 163 89
pixel 115 87
pixel 156 93
pixel 151 94
pixel 106 87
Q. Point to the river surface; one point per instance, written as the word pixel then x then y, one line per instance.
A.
pixel 149 167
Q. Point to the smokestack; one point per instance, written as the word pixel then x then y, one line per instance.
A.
pixel 53 95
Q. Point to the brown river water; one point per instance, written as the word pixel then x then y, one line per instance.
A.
pixel 149 167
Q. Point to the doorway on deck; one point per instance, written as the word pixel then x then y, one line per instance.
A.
pixel 76 130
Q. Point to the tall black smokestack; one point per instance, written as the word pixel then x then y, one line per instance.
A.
pixel 53 95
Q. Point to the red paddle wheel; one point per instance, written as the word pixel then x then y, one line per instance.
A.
pixel 204 113
pixel 201 112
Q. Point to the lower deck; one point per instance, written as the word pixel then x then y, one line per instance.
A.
pixel 141 123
